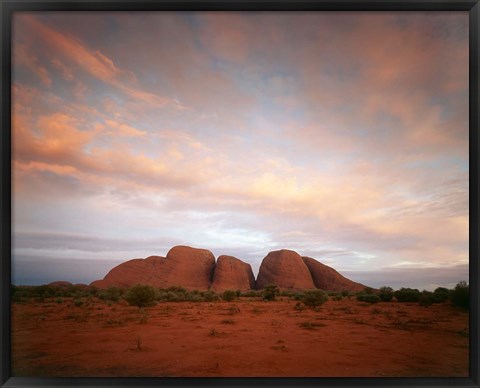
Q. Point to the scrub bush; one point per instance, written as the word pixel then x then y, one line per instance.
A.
pixel 461 295
pixel 140 295
pixel 386 293
pixel 314 298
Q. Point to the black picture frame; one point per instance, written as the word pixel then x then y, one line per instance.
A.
pixel 8 7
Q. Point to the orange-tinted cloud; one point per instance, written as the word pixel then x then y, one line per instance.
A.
pixel 311 131
pixel 93 62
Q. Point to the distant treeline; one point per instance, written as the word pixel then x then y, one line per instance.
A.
pixel 145 295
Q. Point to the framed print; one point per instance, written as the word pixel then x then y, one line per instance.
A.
pixel 239 193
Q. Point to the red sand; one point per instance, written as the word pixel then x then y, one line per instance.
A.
pixel 240 338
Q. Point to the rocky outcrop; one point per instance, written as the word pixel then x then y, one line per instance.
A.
pixel 184 266
pixel 135 271
pixel 232 274
pixel 285 269
pixel 328 279
pixel 60 283
pixel 191 268
pixel 194 268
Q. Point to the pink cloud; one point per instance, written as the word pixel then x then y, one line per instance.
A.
pixel 94 62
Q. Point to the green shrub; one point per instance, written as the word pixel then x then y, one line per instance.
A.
pixel 386 293
pixel 270 291
pixel 461 295
pixel 59 300
pixel 229 295
pixel 91 291
pixel 369 298
pixel 172 296
pixel 193 297
pixel 368 290
pixel 441 294
pixel 177 289
pixel 252 294
pixel 140 295
pixel 314 298
pixel 407 295
pixel 111 294
pixel 210 296
pixel 298 296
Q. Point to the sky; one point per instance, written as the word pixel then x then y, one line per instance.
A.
pixel 342 136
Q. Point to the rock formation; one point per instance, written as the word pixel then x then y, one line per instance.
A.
pixel 328 279
pixel 135 271
pixel 60 283
pixel 193 268
pixel 232 274
pixel 188 267
pixel 285 269
pixel 184 266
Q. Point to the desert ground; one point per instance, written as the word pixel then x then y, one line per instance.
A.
pixel 245 337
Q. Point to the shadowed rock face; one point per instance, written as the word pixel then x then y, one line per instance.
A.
pixel 285 269
pixel 328 279
pixel 232 274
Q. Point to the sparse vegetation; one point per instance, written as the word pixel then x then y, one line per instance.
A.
pixel 225 325
pixel 111 294
pixel 407 295
pixel 441 294
pixel 270 292
pixel 210 296
pixel 229 295
pixel 140 295
pixel 386 293
pixel 252 294
pixel 368 298
pixel 426 298
pixel 314 298
pixel 368 290
pixel 298 296
pixel 461 295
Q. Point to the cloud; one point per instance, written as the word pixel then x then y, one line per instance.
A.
pixel 22 56
pixel 308 132
pixel 421 278
pixel 121 129
pixel 93 62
